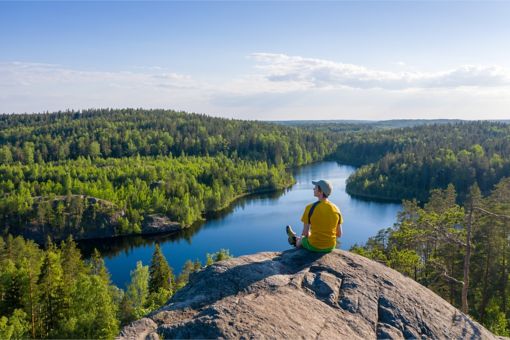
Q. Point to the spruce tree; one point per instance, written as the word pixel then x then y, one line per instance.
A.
pixel 160 273
pixel 97 266
pixel 72 263
pixel 51 298
pixel 13 295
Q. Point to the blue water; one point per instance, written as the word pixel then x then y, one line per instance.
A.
pixel 254 224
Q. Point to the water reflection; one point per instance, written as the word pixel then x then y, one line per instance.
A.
pixel 242 202
pixel 112 247
pixel 252 224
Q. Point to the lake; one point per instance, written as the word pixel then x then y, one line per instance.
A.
pixel 252 224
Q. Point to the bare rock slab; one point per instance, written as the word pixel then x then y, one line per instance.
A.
pixel 298 294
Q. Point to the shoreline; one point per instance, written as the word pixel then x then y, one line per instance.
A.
pixel 171 227
pixel 373 198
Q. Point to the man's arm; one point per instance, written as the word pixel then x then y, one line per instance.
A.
pixel 339 230
pixel 306 230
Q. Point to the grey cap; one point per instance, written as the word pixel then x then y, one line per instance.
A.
pixel 326 186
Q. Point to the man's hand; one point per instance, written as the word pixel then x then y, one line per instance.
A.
pixel 339 230
pixel 306 230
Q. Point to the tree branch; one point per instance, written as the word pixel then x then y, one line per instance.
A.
pixel 445 272
pixel 491 213
pixel 448 277
pixel 447 236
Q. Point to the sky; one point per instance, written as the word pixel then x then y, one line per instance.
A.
pixel 263 60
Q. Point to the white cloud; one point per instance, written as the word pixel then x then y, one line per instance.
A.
pixel 278 87
pixel 35 74
pixel 318 73
pixel 35 87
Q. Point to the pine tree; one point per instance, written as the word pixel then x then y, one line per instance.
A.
pixel 474 199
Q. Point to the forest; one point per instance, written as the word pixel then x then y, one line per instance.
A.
pixel 407 163
pixel 110 197
pixel 54 293
pixel 461 252
pixel 101 172
pixel 98 173
pixel 453 234
pixel 108 133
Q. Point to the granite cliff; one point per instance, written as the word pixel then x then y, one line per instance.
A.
pixel 297 294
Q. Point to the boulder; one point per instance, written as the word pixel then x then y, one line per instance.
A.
pixel 157 224
pixel 298 294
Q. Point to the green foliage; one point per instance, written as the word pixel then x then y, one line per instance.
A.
pixel 97 266
pixel 148 288
pixel 406 261
pixel 222 254
pixel 86 318
pixel 209 259
pixel 53 293
pixel 197 265
pixel 160 274
pixel 408 163
pixel 111 196
pixel 137 293
pixel 496 320
pixel 14 327
pixel 5 155
pixel 99 173
pixel 157 299
pixel 127 133
pixel 187 269
pixel 429 244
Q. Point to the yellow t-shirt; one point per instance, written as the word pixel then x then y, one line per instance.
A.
pixel 325 218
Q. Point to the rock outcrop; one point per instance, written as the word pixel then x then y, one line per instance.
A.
pixel 297 294
pixel 158 224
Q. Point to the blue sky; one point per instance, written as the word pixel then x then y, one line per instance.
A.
pixel 260 60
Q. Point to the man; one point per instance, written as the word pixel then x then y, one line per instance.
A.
pixel 322 222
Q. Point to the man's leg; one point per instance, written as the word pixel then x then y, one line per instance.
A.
pixel 293 239
pixel 298 241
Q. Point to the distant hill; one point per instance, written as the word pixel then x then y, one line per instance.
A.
pixel 373 124
pixel 356 124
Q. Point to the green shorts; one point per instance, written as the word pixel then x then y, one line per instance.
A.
pixel 305 244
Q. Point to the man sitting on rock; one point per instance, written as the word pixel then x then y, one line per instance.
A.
pixel 322 222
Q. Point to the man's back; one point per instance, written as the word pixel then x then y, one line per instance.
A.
pixel 324 221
